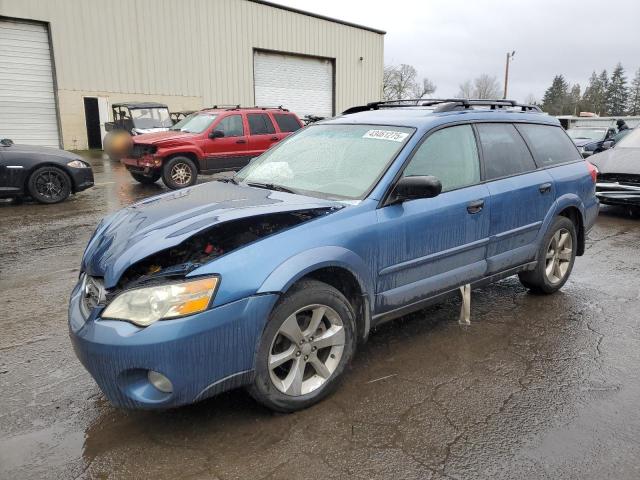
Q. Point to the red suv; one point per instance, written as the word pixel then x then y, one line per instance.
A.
pixel 209 141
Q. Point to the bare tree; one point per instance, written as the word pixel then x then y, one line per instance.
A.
pixel 466 90
pixel 531 99
pixel 482 87
pixel 401 81
pixel 487 87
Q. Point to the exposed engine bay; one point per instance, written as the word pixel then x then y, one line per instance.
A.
pixel 209 244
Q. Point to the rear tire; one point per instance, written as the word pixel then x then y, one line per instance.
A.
pixel 556 257
pixel 49 185
pixel 306 345
pixel 179 172
pixel 145 180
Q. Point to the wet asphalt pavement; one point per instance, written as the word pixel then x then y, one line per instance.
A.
pixel 536 388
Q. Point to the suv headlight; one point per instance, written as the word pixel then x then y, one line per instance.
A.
pixel 144 306
pixel 77 164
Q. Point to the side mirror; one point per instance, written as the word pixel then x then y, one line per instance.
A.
pixel 216 134
pixel 412 188
pixel 607 145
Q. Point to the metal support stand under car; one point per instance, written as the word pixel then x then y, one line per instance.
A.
pixel 465 309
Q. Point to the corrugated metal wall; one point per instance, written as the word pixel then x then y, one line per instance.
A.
pixel 192 48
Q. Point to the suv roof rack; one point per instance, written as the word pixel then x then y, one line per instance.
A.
pixel 238 107
pixel 444 104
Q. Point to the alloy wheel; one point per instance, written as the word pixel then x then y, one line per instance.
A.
pixel 181 174
pixel 559 255
pixel 50 184
pixel 306 350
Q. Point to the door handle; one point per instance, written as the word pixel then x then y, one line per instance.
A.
pixel 475 206
pixel 545 188
pixel 242 140
pixel 274 139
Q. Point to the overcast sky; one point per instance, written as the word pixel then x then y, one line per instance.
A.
pixel 450 41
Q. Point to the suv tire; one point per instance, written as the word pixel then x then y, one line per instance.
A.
pixel 305 371
pixel 49 185
pixel 179 172
pixel 556 257
pixel 145 180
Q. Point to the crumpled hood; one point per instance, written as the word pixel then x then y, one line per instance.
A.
pixel 164 221
pixel 161 137
pixel 618 160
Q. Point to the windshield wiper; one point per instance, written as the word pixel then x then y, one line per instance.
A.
pixel 272 186
pixel 228 180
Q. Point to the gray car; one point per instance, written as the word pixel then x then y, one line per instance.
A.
pixel 619 172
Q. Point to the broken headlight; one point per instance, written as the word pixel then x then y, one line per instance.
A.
pixel 144 306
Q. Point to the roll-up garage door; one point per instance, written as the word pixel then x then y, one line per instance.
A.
pixel 304 85
pixel 27 99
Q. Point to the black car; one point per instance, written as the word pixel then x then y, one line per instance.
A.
pixel 48 175
pixel 619 172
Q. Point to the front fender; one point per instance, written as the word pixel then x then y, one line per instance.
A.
pixel 296 267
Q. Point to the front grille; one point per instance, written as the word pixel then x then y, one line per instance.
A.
pixel 93 294
pixel 139 150
pixel 621 178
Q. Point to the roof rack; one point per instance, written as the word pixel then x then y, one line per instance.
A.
pixel 444 104
pixel 238 107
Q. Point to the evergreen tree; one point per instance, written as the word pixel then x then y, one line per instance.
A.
pixel 617 93
pixel 593 94
pixel 601 106
pixel 634 95
pixel 555 99
pixel 574 104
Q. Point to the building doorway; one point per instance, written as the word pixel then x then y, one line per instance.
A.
pixel 92 120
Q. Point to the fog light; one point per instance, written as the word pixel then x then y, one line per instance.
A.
pixel 159 381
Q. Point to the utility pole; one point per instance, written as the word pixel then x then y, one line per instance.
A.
pixel 510 56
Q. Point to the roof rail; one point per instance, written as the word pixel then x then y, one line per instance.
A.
pixel 238 107
pixel 443 104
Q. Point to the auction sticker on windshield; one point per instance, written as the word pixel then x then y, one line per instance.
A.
pixel 386 135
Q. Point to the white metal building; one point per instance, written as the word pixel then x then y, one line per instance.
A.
pixel 188 54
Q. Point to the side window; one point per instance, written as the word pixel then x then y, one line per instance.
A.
pixel 231 126
pixel 451 155
pixel 286 122
pixel 504 150
pixel 260 124
pixel 550 145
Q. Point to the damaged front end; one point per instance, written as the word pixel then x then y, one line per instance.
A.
pixel 178 261
pixel 618 189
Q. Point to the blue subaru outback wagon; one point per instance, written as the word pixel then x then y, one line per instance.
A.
pixel 270 279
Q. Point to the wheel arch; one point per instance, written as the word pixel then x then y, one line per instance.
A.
pixel 32 170
pixel 193 156
pixel 336 266
pixel 574 214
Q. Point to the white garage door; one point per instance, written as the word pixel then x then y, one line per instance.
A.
pixel 27 101
pixel 304 85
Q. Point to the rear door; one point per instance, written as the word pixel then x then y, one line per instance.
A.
pixel 229 152
pixel 262 133
pixel 287 124
pixel 431 245
pixel 521 196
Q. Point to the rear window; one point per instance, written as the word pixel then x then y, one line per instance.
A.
pixel 260 124
pixel 550 145
pixel 286 123
pixel 504 151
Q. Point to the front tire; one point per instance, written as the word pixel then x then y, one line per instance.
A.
pixel 556 257
pixel 145 180
pixel 49 185
pixel 179 172
pixel 306 345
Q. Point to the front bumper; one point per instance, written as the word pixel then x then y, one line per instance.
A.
pixel 202 355
pixel 82 178
pixel 144 165
pixel 618 194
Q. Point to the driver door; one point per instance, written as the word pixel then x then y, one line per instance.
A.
pixel 432 245
pixel 230 151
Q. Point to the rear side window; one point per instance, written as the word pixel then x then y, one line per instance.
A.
pixel 550 145
pixel 286 123
pixel 231 126
pixel 504 151
pixel 451 155
pixel 260 124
